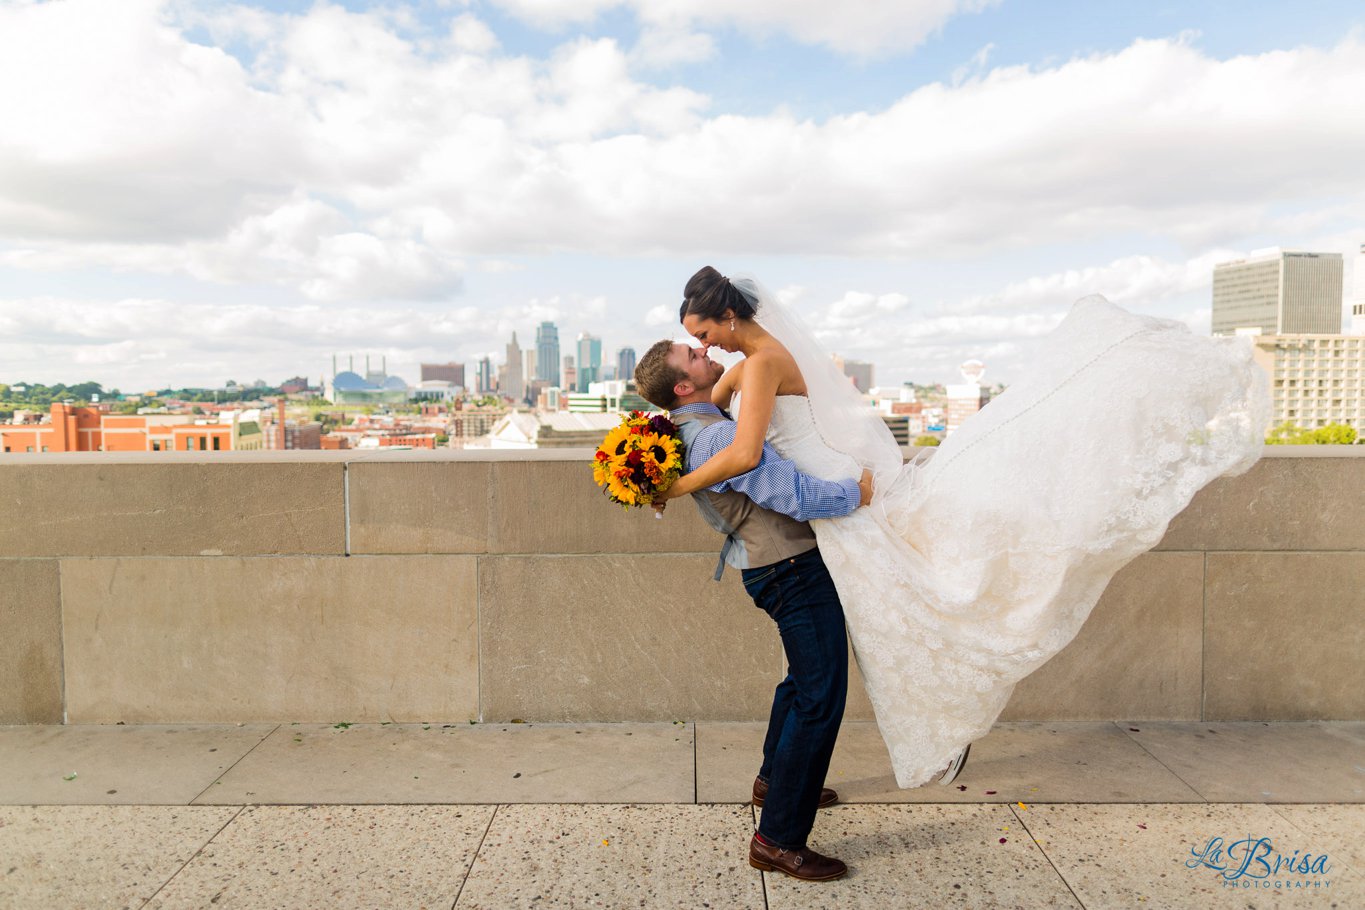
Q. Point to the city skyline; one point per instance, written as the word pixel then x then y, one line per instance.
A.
pixel 938 182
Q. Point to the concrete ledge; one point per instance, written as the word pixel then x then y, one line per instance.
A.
pixel 186 587
pixel 186 509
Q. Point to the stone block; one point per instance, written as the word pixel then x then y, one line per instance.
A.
pixel 332 858
pixel 1283 636
pixel 173 509
pixel 92 764
pixel 554 507
pixel 926 856
pixel 676 857
pixel 465 763
pixel 384 638
pixel 1138 655
pixel 1257 762
pixel 1307 502
pixel 621 638
pixel 30 642
pixel 419 507
pixel 98 856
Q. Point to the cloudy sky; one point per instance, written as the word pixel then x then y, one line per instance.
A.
pixel 193 191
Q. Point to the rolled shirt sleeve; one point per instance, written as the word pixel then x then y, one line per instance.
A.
pixel 775 483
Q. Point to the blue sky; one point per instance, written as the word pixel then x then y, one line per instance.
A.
pixel 193 192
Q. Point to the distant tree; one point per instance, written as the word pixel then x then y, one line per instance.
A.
pixel 1291 434
pixel 927 440
pixel 1335 434
pixel 83 391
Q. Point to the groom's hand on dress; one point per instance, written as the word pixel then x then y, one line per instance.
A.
pixel 865 488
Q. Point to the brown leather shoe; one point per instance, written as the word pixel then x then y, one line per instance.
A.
pixel 805 864
pixel 827 796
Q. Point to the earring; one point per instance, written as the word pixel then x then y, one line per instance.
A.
pixel 732 325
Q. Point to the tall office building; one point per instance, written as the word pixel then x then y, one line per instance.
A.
pixel 569 380
pixel 1278 293
pixel 589 360
pixel 484 375
pixel 515 388
pixel 547 352
pixel 861 372
pixel 625 364
pixel 1358 304
pixel 530 374
pixel 1315 379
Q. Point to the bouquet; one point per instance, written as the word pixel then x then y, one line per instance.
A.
pixel 639 458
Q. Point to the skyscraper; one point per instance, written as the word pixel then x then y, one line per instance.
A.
pixel 1279 293
pixel 516 385
pixel 484 376
pixel 547 352
pixel 625 364
pixel 1358 305
pixel 589 360
pixel 569 381
pixel 861 372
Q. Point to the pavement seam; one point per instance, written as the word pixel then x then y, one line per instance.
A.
pixel 1124 730
pixel 696 795
pixel 1023 824
pixel 61 638
pixel 475 858
pixel 1203 639
pixel 1276 807
pixel 240 810
pixel 346 504
pixel 233 765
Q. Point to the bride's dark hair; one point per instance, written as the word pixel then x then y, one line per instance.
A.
pixel 709 294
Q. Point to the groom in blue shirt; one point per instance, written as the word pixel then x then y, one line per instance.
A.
pixel 763 514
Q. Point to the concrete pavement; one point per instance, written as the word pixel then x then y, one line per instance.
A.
pixel 1090 814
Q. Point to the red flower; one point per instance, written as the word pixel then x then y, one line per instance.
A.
pixel 602 456
pixel 634 458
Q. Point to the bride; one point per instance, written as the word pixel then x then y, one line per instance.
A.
pixel 972 568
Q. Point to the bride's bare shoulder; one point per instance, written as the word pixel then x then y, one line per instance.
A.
pixel 779 362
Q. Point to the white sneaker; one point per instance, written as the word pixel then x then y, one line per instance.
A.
pixel 955 766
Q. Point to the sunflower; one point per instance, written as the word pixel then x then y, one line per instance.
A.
pixel 639 457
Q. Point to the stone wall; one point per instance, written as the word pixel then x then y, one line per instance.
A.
pixel 449 587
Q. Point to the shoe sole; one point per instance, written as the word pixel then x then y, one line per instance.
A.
pixel 768 867
pixel 951 774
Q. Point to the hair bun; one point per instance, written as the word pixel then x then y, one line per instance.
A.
pixel 709 294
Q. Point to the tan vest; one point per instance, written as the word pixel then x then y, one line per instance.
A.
pixel 754 536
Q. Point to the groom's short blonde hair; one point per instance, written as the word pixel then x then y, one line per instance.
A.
pixel 655 377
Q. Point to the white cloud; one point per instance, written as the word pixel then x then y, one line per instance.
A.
pixel 471 35
pixel 127 134
pixel 859 28
pixel 137 343
pixel 661 315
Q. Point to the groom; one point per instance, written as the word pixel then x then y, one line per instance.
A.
pixel 763 514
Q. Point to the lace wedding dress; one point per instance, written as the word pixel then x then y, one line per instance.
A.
pixel 973 567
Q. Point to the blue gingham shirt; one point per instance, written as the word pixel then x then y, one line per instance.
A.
pixel 775 484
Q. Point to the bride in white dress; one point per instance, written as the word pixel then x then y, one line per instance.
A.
pixel 973 567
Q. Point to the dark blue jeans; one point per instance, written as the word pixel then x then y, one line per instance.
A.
pixel 809 704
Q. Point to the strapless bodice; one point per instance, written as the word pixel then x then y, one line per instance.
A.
pixel 793 433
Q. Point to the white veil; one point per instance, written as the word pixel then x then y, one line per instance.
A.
pixel 845 421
